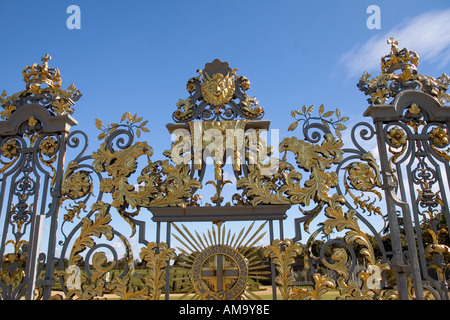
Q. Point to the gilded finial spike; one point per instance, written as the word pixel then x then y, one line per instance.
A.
pixel 46 58
pixel 45 84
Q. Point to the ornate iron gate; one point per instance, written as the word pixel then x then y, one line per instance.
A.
pixel 376 223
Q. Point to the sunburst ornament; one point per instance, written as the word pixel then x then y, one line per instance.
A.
pixel 220 263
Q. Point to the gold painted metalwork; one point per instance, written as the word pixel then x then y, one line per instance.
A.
pixel 283 254
pixel 76 184
pixel 41 80
pixel 160 183
pixel 216 137
pixel 384 86
pixel 219 272
pixel 397 136
pixel 10 150
pixel 440 140
pixel 283 186
pixel 439 136
pixel 340 221
pixel 322 284
pixel 218 89
pixel 231 257
pixel 220 263
pixel 156 257
pixel 217 85
pixel 47 146
pixel 364 177
pixel 79 286
pixel 184 109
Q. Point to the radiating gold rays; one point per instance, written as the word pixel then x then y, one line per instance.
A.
pixel 219 264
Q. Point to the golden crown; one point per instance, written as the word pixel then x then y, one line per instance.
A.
pixel 41 74
pixel 43 85
pixel 399 59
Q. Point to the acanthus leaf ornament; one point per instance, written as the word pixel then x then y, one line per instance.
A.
pixel 283 254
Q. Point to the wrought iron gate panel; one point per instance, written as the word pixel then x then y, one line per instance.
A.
pixel 33 143
pixel 413 146
pixel 364 221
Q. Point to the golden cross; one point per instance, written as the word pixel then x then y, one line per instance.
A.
pixel 46 57
pixel 45 61
pixel 393 43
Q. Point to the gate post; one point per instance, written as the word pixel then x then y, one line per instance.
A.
pixel 413 143
pixel 33 139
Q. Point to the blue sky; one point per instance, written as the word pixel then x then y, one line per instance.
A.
pixel 136 56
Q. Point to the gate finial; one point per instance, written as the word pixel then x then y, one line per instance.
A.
pixel 399 73
pixel 41 74
pixel 394 44
pixel 396 60
pixel 217 94
pixel 43 86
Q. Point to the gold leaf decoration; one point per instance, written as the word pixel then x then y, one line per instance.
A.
pixel 283 254
pixel 322 284
pixel 156 257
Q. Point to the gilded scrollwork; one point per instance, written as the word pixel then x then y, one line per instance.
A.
pixel 10 150
pixel 76 184
pixel 95 284
pixel 81 286
pixel 159 184
pixel 283 185
pixel 439 140
pixel 364 177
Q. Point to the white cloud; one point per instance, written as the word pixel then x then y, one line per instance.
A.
pixel 428 34
pixel 117 245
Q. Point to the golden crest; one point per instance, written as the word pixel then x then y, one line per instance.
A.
pixel 218 89
pixel 219 265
